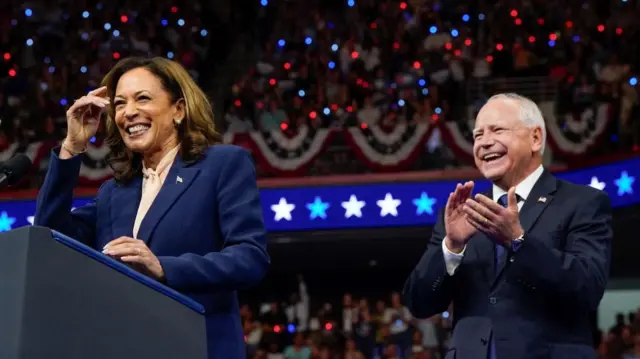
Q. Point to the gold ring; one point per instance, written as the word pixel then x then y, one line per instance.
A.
pixel 139 251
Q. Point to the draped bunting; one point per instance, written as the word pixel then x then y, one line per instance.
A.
pixel 388 152
pixel 569 135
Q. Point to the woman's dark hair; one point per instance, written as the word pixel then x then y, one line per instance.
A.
pixel 196 132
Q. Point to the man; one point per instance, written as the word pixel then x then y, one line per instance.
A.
pixel 524 264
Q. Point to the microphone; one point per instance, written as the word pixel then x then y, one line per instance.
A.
pixel 12 170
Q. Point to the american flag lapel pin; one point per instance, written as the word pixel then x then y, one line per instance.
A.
pixel 178 179
pixel 542 199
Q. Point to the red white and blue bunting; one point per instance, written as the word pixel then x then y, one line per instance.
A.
pixel 388 152
pixel 289 156
pixel 569 135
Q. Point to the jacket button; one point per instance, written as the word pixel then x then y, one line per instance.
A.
pixel 493 300
pixel 483 341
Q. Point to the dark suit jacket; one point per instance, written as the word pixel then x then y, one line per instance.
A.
pixel 205 226
pixel 539 304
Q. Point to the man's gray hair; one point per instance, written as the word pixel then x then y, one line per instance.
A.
pixel 530 113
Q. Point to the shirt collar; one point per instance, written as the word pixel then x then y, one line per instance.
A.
pixel 523 188
pixel 164 163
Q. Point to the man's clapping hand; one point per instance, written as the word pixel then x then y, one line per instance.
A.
pixel 499 223
pixel 457 228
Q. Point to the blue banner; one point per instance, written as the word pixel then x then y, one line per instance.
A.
pixel 375 205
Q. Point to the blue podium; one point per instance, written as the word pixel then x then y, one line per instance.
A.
pixel 62 299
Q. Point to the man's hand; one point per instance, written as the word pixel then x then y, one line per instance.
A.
pixel 499 223
pixel 457 229
pixel 135 252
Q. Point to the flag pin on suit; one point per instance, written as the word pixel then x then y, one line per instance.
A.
pixel 178 179
pixel 542 199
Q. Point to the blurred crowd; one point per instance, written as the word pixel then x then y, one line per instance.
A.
pixel 325 63
pixel 332 64
pixel 368 327
pixel 622 341
pixel 55 51
pixel 367 62
pixel 356 328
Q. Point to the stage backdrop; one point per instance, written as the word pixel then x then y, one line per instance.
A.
pixel 375 205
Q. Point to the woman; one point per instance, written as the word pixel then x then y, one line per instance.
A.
pixel 180 208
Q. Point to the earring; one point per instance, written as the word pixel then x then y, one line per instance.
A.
pixel 177 122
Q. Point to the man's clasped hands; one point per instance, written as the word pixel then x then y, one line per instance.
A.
pixel 465 215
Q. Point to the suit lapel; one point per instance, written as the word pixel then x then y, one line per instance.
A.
pixel 178 180
pixel 541 195
pixel 124 207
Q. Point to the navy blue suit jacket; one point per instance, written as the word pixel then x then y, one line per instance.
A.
pixel 206 229
pixel 539 304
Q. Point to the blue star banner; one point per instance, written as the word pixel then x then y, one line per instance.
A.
pixel 375 205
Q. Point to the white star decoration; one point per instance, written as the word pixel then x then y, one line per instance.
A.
pixel 282 210
pixel 353 207
pixel 595 183
pixel 388 205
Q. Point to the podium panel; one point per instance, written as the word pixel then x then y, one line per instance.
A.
pixel 61 299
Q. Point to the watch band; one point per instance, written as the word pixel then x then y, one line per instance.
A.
pixel 515 244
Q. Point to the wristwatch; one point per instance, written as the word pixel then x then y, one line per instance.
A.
pixel 515 244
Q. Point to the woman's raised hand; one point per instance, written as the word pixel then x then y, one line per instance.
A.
pixel 83 119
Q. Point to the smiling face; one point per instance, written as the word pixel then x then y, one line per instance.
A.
pixel 505 150
pixel 145 113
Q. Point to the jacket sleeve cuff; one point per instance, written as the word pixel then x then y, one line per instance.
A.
pixel 451 260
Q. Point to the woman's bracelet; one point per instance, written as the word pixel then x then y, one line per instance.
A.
pixel 73 153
